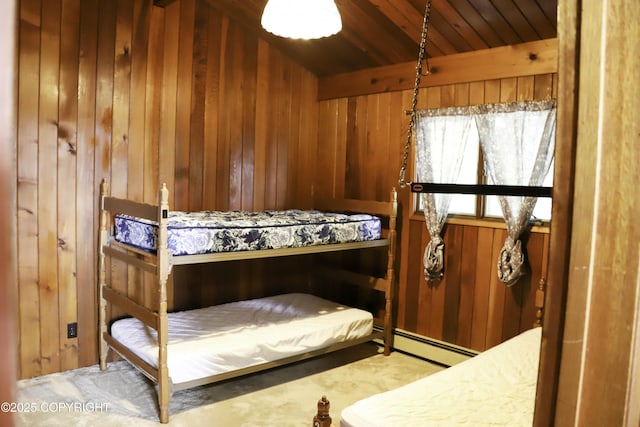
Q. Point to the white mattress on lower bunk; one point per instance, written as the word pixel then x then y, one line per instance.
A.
pixel 226 337
pixel 495 388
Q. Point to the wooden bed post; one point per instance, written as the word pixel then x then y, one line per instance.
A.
pixel 539 302
pixel 322 418
pixel 102 241
pixel 388 318
pixel 163 326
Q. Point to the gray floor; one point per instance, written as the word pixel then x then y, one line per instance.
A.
pixel 284 396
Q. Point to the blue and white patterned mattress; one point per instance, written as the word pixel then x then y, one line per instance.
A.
pixel 213 231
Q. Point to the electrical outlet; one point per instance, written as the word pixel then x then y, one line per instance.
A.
pixel 72 330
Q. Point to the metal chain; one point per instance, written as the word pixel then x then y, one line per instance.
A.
pixel 416 87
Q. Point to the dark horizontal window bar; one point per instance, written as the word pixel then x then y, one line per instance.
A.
pixel 481 189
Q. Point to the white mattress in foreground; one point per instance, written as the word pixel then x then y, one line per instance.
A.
pixel 236 335
pixel 494 388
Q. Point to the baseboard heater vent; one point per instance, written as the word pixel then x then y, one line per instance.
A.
pixel 429 348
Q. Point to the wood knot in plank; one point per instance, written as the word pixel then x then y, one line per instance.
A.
pixel 62 244
pixel 71 148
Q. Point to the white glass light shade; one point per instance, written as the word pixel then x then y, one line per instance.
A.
pixel 301 19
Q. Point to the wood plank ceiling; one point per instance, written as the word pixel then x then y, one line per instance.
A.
pixel 385 32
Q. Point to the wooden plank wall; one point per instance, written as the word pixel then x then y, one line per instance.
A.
pixel 600 334
pixel 360 153
pixel 139 95
pixel 8 272
pixel 469 307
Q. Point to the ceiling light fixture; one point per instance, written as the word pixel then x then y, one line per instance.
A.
pixel 301 19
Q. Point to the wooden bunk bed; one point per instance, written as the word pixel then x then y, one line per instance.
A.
pixel 153 325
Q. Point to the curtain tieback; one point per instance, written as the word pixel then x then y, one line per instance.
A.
pixel 511 262
pixel 434 259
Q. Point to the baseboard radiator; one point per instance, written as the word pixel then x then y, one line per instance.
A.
pixel 431 349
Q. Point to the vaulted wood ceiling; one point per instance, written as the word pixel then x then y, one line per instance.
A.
pixel 385 32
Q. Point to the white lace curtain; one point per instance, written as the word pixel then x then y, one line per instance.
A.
pixel 517 140
pixel 441 139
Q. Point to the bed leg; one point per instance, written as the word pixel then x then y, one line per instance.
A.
pixel 164 386
pixel 164 383
pixel 102 330
pixel 391 289
pixel 104 347
pixel 164 413
pixel 388 331
pixel 539 302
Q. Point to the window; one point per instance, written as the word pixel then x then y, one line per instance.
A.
pixel 541 212
pixel 467 204
pixel 517 142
